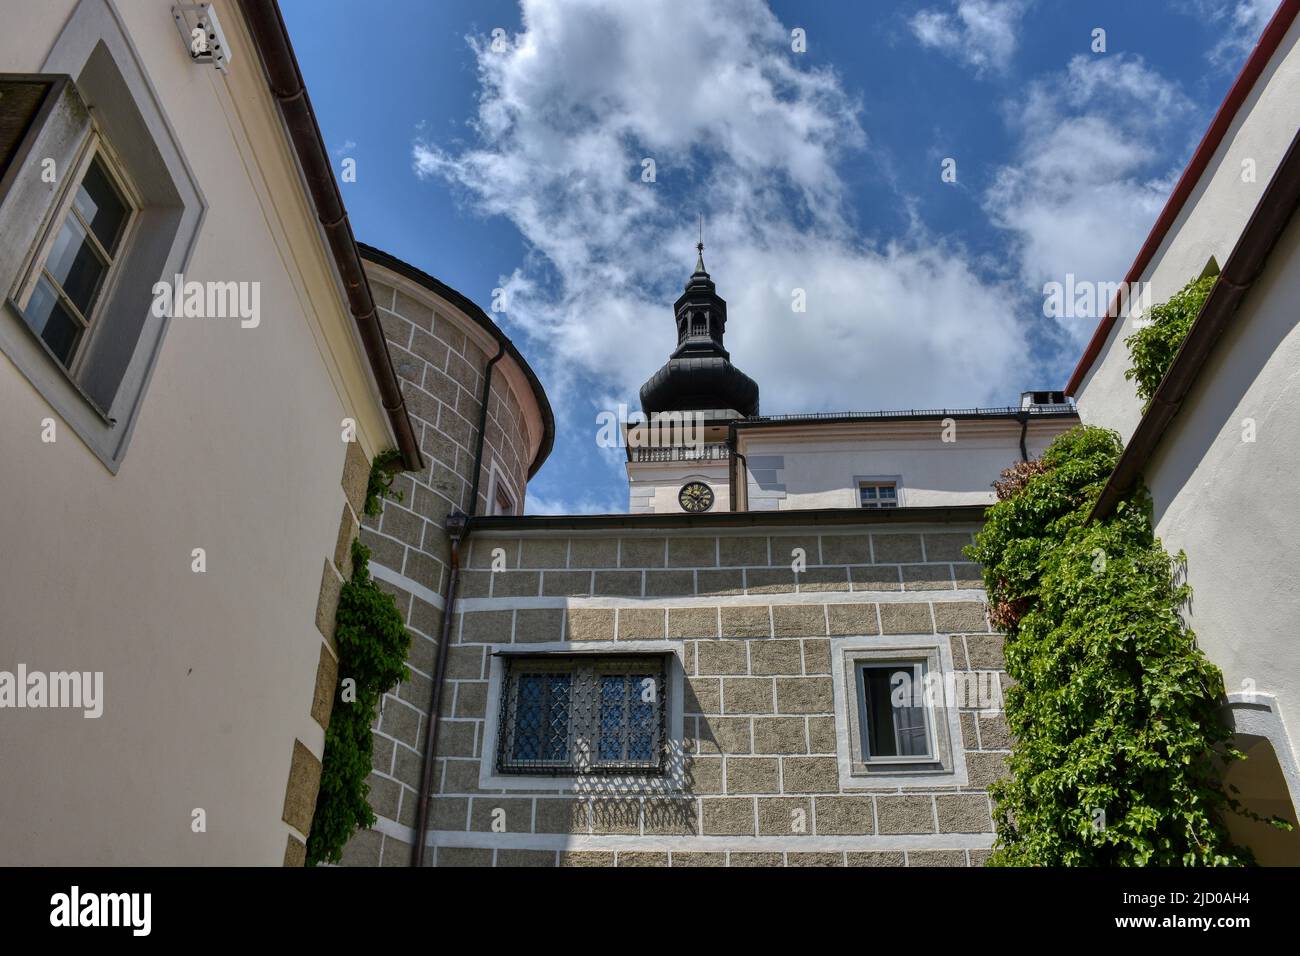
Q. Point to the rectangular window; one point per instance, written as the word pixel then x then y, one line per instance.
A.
pixel 84 244
pixel 894 720
pixel 502 503
pixel 581 714
pixel 878 494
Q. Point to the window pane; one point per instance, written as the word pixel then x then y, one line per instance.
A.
pixel 100 205
pixel 641 719
pixel 48 319
pixel 627 723
pixel 895 727
pixel 542 717
pixel 887 491
pixel 613 700
pixel 75 265
pixel 868 492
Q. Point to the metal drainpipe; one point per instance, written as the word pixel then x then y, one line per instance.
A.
pixel 736 458
pixel 457 530
pixel 1023 416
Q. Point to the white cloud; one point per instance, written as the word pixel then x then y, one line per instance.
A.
pixel 981 33
pixel 1090 175
pixel 536 504
pixel 1238 25
pixel 742 131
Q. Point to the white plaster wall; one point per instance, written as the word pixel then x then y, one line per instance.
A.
pixel 1208 225
pixel 208 677
pixel 1232 505
pixel 823 473
pixel 653 486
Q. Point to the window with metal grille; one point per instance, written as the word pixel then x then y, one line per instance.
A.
pixel 582 714
pixel 878 494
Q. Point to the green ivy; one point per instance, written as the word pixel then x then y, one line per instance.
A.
pixel 1153 346
pixel 380 485
pixel 372 643
pixel 1115 711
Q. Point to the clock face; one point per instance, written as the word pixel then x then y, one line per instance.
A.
pixel 696 497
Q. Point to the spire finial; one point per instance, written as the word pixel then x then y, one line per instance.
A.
pixel 699 246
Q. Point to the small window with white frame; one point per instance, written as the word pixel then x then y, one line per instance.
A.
pixel 896 717
pixel 895 724
pixel 499 499
pixel 75 263
pixel 877 493
pixel 502 503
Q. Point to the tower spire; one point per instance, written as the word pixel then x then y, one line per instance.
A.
pixel 699 246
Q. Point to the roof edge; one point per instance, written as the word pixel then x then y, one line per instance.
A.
pixel 948 514
pixel 284 80
pixel 480 318
pixel 1268 43
pixel 1271 217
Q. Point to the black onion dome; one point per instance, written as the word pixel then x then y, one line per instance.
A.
pixel 699 375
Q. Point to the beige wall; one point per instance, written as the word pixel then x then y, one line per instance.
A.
pixel 208 678
pixel 759 710
pixel 1208 225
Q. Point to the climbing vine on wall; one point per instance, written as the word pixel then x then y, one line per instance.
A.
pixel 1153 346
pixel 1115 711
pixel 372 643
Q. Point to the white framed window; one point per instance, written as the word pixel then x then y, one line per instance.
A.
pixel 879 492
pixel 896 723
pixel 580 714
pixel 598 721
pixel 97 204
pixel 76 262
pixel 499 499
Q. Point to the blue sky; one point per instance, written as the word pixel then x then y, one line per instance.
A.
pixel 521 168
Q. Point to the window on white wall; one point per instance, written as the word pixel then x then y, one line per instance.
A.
pixel 876 493
pixel 62 293
pixel 97 204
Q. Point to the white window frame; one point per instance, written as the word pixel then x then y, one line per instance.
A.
pixel 497 483
pixel 674 776
pixel 919 670
pixel 101 84
pixel 946 766
pixel 582 669
pixel 95 146
pixel 877 480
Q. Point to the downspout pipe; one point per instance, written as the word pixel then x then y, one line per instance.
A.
pixel 457 527
pixel 1023 417
pixel 737 461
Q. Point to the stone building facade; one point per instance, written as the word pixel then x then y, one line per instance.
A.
pixel 760 670
pixel 442 347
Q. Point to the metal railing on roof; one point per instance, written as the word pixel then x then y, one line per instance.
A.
pixel 709 452
pixel 1006 411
